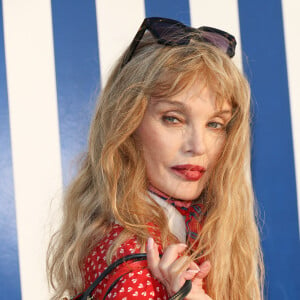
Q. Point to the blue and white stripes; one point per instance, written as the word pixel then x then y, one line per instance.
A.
pixel 273 154
pixel 54 59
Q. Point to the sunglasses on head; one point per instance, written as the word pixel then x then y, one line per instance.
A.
pixel 173 33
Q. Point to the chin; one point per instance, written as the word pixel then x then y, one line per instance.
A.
pixel 185 191
pixel 188 196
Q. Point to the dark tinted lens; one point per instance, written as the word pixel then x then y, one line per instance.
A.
pixel 217 40
pixel 170 33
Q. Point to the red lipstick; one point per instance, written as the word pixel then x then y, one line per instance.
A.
pixel 189 172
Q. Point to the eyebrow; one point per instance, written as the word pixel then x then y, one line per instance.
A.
pixel 176 104
pixel 184 107
pixel 222 112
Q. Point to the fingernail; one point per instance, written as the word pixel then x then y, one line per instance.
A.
pixel 197 268
pixel 150 243
pixel 193 271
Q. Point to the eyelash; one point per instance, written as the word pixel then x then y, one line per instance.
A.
pixel 167 119
pixel 173 120
pixel 221 125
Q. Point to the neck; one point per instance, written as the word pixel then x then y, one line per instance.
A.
pixel 169 199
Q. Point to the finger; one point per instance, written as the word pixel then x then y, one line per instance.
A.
pixel 153 259
pixel 193 266
pixel 184 263
pixel 170 257
pixel 180 271
pixel 187 275
pixel 204 269
pixel 190 273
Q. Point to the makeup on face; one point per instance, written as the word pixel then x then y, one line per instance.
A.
pixel 182 138
pixel 189 172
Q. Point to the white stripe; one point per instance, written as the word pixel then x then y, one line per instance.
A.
pixel 222 14
pixel 118 22
pixel 291 21
pixel 34 133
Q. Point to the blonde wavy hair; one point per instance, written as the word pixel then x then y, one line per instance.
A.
pixel 111 184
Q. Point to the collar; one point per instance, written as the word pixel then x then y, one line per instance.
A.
pixel 176 221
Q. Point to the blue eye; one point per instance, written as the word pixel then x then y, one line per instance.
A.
pixel 170 119
pixel 216 125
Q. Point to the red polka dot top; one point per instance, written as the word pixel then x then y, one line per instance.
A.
pixel 138 284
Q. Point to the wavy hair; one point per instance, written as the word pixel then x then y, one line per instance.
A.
pixel 111 185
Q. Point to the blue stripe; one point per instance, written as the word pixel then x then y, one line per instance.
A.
pixel 273 163
pixel 173 9
pixel 9 261
pixel 77 75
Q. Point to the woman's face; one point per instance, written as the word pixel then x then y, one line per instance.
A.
pixel 182 137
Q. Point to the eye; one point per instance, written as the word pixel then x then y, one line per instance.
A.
pixel 216 125
pixel 171 120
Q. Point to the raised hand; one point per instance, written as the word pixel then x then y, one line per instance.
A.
pixel 167 270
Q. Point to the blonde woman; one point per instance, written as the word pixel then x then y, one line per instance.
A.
pixel 167 172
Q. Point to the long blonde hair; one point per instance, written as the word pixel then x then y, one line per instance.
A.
pixel 111 184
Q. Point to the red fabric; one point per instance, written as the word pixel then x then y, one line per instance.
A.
pixel 123 270
pixel 192 212
pixel 138 284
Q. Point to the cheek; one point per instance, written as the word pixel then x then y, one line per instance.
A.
pixel 160 148
pixel 155 147
pixel 216 148
pixel 149 141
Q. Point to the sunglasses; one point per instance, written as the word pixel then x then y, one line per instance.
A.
pixel 173 33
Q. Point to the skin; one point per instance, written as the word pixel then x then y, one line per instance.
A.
pixel 184 129
pixel 167 270
pixel 187 128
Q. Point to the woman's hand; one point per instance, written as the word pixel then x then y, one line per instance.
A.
pixel 166 270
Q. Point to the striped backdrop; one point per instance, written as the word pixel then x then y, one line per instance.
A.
pixel 54 58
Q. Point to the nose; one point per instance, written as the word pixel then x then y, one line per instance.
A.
pixel 195 141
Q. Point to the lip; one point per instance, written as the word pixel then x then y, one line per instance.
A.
pixel 189 172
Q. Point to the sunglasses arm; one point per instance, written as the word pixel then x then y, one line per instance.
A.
pixel 134 44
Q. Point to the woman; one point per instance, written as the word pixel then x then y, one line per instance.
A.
pixel 167 171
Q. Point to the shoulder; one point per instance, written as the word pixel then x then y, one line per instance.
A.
pixel 95 263
pixel 135 284
pixel 138 284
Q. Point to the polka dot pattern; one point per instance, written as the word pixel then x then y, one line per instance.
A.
pixel 138 284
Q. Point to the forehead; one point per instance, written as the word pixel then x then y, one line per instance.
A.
pixel 192 95
pixel 170 84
